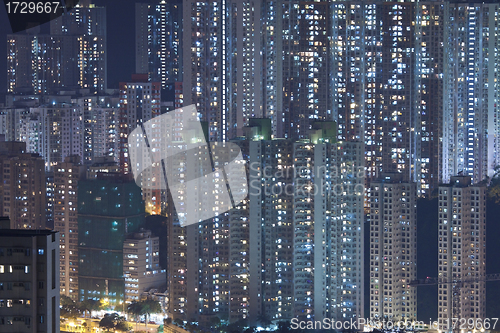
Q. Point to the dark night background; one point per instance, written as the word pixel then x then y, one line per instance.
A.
pixel 121 64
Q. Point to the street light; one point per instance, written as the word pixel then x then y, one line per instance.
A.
pixel 122 303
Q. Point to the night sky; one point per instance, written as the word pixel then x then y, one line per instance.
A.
pixel 121 41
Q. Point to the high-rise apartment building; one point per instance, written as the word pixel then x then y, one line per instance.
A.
pixel 430 51
pixel 402 79
pixel 73 55
pixel 462 251
pixel 65 207
pixel 22 191
pixel 296 75
pixel 221 45
pixel 374 90
pixel 471 90
pixel 393 248
pixel 142 32
pixel 203 247
pixel 29 280
pixel 292 249
pixel 271 229
pixel 40 64
pixel 100 125
pixel 62 129
pixel 49 197
pixel 328 229
pixel 109 207
pixel 87 24
pixel 139 103
pixel 141 265
pixel 61 125
pixel 158 41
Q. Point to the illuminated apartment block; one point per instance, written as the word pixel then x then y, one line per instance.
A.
pixel 72 56
pixel 40 64
pixel 29 280
pixel 393 248
pixel 271 229
pixel 158 41
pixel 328 229
pixel 296 66
pixel 103 164
pixel 462 251
pixel 87 24
pixel 141 267
pixel 471 105
pixel 430 51
pixel 100 117
pixel 221 61
pixel 139 103
pixel 22 191
pixel 67 174
pixel 387 74
pixel 345 253
pixel 62 132
pixel 211 250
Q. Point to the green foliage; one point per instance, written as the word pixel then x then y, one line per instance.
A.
pixel 90 305
pixel 144 308
pixel 112 321
pixel 123 326
pixel 69 309
pixel 178 322
pixel 66 301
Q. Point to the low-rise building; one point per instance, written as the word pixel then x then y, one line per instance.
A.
pixel 141 268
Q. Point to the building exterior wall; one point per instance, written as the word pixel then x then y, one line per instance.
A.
pixel 29 281
pixel 141 268
pixel 393 249
pixel 109 207
pixel 462 251
pixel 66 178
pixel 22 193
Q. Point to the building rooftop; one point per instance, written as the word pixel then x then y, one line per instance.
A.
pixel 460 181
pixel 25 232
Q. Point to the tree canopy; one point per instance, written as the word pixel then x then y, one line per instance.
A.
pixel 113 321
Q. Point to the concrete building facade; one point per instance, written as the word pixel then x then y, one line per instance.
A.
pixel 29 280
